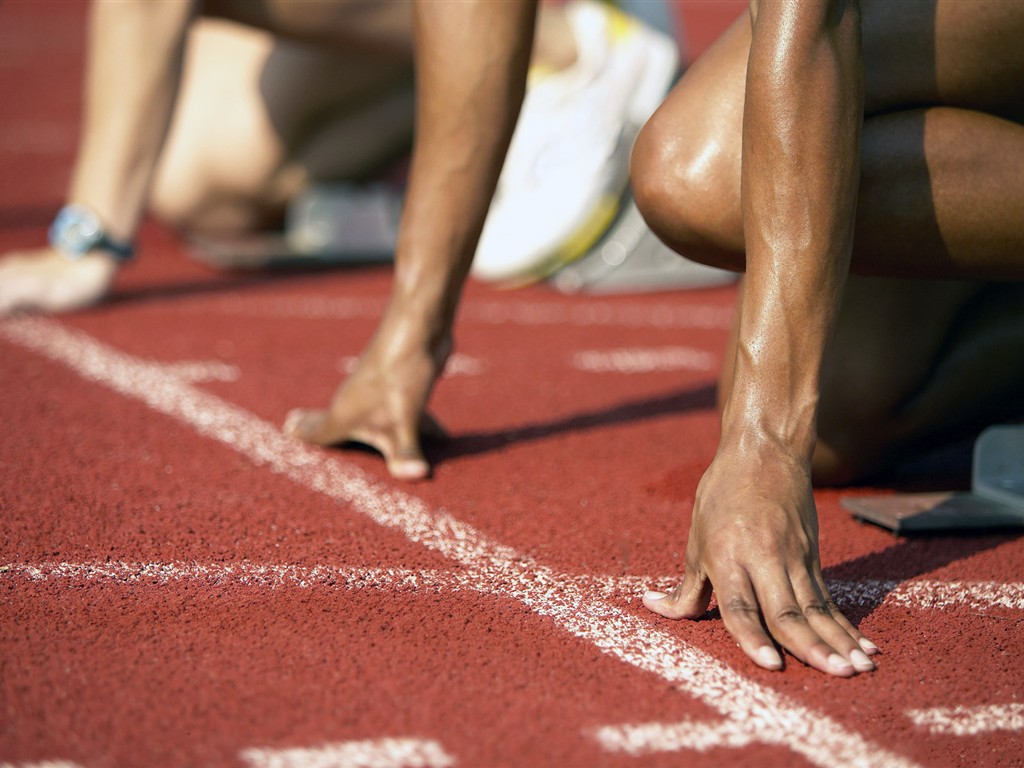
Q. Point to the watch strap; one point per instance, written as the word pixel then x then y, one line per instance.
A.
pixel 77 230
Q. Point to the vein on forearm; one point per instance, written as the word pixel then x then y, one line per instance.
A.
pixel 471 61
pixel 801 137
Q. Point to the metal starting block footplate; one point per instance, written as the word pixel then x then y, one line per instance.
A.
pixel 996 498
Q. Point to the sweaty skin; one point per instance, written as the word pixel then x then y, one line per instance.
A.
pixel 754 535
pixel 775 169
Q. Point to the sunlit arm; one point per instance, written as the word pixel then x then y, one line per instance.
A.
pixel 471 63
pixel 132 77
pixel 801 138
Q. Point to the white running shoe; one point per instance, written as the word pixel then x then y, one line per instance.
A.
pixel 630 258
pixel 568 164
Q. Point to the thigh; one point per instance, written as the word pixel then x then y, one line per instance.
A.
pixel 383 27
pixel 250 103
pixel 913 361
pixel 955 53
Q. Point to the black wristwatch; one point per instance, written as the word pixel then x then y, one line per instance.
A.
pixel 77 230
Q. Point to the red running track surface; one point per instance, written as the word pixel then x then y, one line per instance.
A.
pixel 183 586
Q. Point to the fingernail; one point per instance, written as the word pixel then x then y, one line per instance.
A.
pixel 768 657
pixel 861 662
pixel 291 422
pixel 868 646
pixel 839 664
pixel 652 595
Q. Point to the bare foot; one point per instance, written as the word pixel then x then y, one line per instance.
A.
pixel 44 280
pixel 382 405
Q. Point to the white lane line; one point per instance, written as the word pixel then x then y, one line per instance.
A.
pixel 42 764
pixel 377 753
pixel 916 595
pixel 508 312
pixel 919 594
pixel 770 717
pixel 241 574
pixel 457 365
pixel 640 360
pixel 980 595
pixel 647 738
pixel 969 721
pixel 198 371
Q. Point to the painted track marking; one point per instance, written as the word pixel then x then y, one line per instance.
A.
pixel 514 312
pixel 378 753
pixel 968 721
pixel 643 360
pixel 916 595
pixel 768 716
pixel 648 738
pixel 457 365
pixel 198 371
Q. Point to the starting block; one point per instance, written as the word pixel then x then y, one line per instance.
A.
pixel 996 498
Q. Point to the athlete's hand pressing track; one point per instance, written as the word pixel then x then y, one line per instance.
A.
pixel 754 541
pixel 382 404
pixel 44 280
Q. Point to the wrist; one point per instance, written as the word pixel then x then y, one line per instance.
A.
pixel 756 420
pixel 77 232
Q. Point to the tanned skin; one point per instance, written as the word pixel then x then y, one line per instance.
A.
pixel 755 531
pixel 815 144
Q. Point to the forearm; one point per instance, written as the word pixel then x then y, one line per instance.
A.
pixel 132 75
pixel 471 60
pixel 801 138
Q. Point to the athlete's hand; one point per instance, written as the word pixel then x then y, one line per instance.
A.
pixel 382 403
pixel 44 280
pixel 754 541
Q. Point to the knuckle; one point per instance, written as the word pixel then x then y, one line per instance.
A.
pixel 739 604
pixel 790 615
pixel 821 609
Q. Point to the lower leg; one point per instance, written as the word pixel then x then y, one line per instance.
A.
pixel 247 130
pixel 913 362
pixel 260 115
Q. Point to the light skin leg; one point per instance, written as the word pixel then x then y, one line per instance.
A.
pixel 939 197
pixel 261 116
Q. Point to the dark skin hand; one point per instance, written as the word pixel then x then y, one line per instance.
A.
pixel 754 535
pixel 472 59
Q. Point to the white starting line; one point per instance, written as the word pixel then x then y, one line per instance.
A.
pixel 629 360
pixel 378 753
pixel 509 312
pixel 457 365
pixel 369 753
pixel 917 595
pixel 970 721
pixel 762 714
pixel 644 360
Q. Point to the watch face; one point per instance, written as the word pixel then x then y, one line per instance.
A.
pixel 75 230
